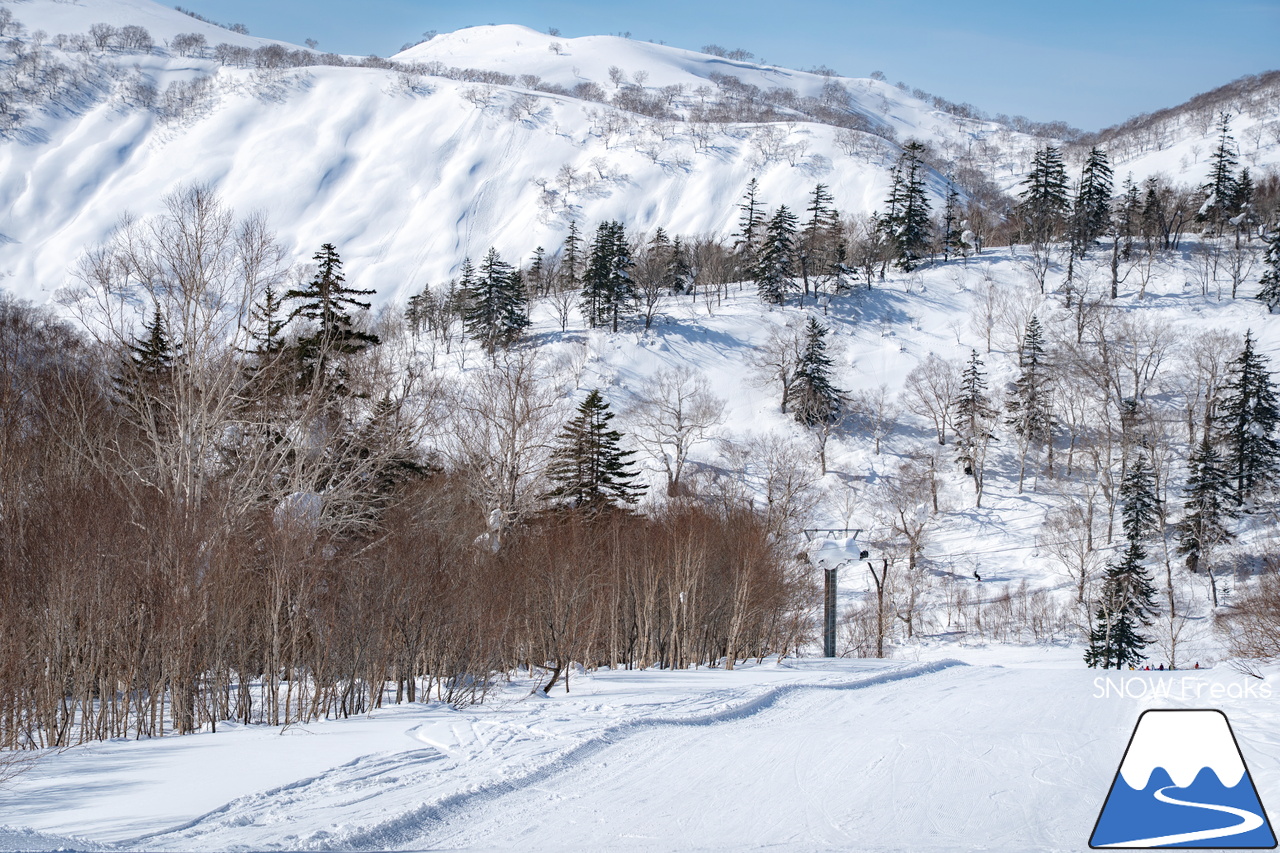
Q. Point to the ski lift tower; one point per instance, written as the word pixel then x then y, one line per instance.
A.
pixel 831 549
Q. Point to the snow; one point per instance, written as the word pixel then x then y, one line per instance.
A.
pixel 409 177
pixel 804 754
pixel 162 21
pixel 828 553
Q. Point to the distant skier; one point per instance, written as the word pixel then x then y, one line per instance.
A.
pixel 1161 668
pixel 976 575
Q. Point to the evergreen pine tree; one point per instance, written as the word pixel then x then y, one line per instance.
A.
pixel 1129 215
pixel 952 227
pixel 1221 188
pixel 1207 493
pixel 149 364
pixel 326 301
pixel 1138 492
pixel 973 415
pixel 267 324
pixel 751 224
pixel 907 224
pixel 1248 418
pixel 777 258
pixel 268 370
pixel 1116 639
pixel 661 250
pixel 496 306
pixel 1242 199
pixel 606 284
pixel 681 268
pixel 811 397
pixel 820 232
pixel 842 273
pixel 1269 283
pixel 1029 404
pixel 537 276
pixel 385 454
pixel 1044 199
pixel 571 257
pixel 466 281
pixel 1243 216
pixel 1152 219
pixel 1091 211
pixel 417 310
pixel 588 467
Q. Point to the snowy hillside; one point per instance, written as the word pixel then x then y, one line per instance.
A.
pixel 162 21
pixel 411 169
pixel 410 172
pixel 407 174
pixel 520 51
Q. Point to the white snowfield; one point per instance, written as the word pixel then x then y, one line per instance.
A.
pixel 808 754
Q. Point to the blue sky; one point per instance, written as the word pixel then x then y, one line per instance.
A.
pixel 1087 62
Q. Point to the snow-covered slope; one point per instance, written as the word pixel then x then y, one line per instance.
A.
pixel 802 755
pixel 409 173
pixel 517 50
pixel 406 176
pixel 162 21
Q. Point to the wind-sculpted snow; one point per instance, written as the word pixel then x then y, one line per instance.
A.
pixel 409 174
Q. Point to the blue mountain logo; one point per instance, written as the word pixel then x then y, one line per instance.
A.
pixel 1183 783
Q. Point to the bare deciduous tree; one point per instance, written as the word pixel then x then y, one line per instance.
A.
pixel 102 34
pixel 504 423
pixel 1068 533
pixel 876 413
pixel 1251 629
pixel 673 411
pixel 930 390
pixel 200 271
pixel 775 362
pixel 773 474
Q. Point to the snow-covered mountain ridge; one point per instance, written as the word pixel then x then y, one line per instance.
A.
pixel 409 169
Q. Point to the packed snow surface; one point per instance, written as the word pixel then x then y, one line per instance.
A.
pixel 807 754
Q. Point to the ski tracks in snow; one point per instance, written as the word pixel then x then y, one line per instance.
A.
pixel 466 819
pixel 317 811
pixel 433 795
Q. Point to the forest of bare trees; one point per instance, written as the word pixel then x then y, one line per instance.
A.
pixel 216 510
